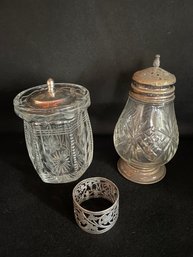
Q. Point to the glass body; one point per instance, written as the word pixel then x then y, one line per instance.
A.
pixel 146 134
pixel 59 140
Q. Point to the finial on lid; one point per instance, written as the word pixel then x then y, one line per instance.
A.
pixel 153 84
pixel 50 83
pixel 156 62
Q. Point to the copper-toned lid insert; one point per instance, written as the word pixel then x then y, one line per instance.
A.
pixel 51 97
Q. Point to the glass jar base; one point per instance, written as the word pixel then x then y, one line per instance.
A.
pixel 59 179
pixel 150 176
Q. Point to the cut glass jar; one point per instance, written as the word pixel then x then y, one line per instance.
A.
pixel 57 130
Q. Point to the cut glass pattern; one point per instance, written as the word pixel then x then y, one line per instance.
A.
pixel 60 151
pixel 146 134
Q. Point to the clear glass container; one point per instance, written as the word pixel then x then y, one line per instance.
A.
pixel 146 134
pixel 57 130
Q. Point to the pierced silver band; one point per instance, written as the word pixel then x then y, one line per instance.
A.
pixel 96 222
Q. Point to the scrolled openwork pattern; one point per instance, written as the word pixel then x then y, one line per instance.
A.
pixel 96 222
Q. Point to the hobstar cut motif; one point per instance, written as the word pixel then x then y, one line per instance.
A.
pixel 61 162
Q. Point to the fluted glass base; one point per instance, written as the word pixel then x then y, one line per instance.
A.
pixel 145 176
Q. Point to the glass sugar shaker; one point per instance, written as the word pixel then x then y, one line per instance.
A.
pixel 146 134
pixel 57 130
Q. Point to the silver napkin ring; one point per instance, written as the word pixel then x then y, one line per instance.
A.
pixel 96 222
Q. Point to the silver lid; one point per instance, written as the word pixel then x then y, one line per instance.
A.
pixel 51 99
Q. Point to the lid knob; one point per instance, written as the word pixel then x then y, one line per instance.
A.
pixel 156 62
pixel 50 83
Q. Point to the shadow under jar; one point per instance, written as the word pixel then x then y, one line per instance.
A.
pixel 57 130
pixel 146 134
